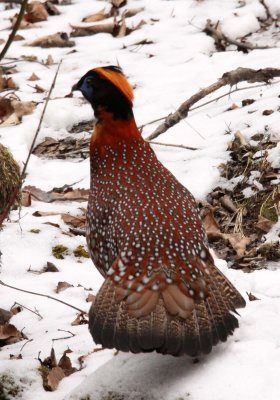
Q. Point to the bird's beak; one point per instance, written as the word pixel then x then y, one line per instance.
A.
pixel 75 87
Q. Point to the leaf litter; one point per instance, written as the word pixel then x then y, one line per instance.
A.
pixel 245 206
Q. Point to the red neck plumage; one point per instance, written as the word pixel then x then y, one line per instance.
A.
pixel 111 131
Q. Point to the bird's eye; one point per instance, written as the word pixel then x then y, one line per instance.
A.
pixel 89 79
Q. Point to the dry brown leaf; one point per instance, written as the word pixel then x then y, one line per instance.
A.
pixel 247 102
pixel 33 77
pixel 65 364
pixel 90 298
pixel 75 221
pixel 98 16
pixel 51 8
pixel 59 39
pixel 238 242
pixel 23 24
pixel 49 197
pixel 45 146
pixel 252 297
pixel 80 320
pixel 228 204
pixel 36 12
pixel 22 108
pixel 118 3
pixel 53 378
pixel 52 224
pixel 16 310
pixel 62 286
pixel 49 60
pixel 7 83
pixel 232 107
pixel 238 135
pixel 6 108
pixel 44 213
pixel 17 38
pixel 11 120
pixel 50 267
pixel 264 224
pixel 210 224
pixel 11 111
pixel 25 200
pixel 15 357
pixel 110 27
pixel 268 112
pixel 38 89
pixel 8 331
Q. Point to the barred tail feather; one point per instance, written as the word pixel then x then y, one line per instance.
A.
pixel 112 325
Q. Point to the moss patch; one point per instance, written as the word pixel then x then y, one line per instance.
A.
pixel 80 251
pixel 35 230
pixel 59 251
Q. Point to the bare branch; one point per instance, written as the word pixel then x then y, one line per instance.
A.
pixel 11 1
pixel 34 312
pixel 28 341
pixel 40 122
pixel 43 295
pixel 65 337
pixel 222 41
pixel 14 31
pixel 229 78
pixel 181 146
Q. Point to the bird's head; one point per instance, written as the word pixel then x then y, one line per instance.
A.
pixel 106 88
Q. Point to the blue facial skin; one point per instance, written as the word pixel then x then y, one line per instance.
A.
pixel 87 89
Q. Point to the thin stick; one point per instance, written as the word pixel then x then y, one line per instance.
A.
pixel 28 341
pixel 40 122
pixel 181 146
pixel 43 295
pixel 65 337
pixel 34 312
pixel 11 1
pixel 14 31
pixel 229 78
pixel 221 40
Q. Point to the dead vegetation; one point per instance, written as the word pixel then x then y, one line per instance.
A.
pixel 245 206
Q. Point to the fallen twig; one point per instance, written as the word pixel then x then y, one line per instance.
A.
pixel 43 295
pixel 222 41
pixel 267 11
pixel 28 341
pixel 14 31
pixel 34 312
pixel 229 78
pixel 12 1
pixel 65 337
pixel 181 146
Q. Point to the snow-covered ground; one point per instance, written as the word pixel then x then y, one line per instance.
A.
pixel 180 60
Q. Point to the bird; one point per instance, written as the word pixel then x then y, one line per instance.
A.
pixel 162 291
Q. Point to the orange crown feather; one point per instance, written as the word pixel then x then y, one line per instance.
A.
pixel 118 80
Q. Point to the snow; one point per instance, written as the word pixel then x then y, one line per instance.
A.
pixel 180 61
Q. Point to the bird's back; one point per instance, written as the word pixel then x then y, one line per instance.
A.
pixel 162 290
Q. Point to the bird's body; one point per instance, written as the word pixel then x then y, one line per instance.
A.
pixel 162 291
